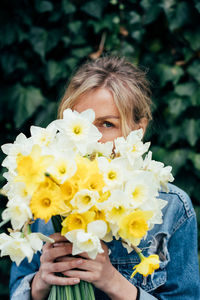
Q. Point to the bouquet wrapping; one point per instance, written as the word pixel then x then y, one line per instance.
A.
pixel 99 191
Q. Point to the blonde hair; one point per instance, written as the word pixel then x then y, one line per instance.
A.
pixel 126 82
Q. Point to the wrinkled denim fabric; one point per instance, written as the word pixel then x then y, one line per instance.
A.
pixel 175 241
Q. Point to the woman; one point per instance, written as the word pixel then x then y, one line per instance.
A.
pixel 119 94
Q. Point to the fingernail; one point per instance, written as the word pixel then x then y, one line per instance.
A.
pixel 76 280
pixel 79 261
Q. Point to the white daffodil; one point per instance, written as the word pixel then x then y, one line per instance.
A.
pixel 84 242
pixel 15 190
pixel 127 247
pixel 116 206
pixel 61 146
pixel 35 241
pixel 101 149
pixel 162 174
pixel 133 148
pixel 157 218
pixel 84 200
pixel 79 128
pixel 21 146
pixel 141 188
pixel 18 212
pixel 165 177
pixel 62 168
pixel 97 228
pixel 114 171
pixel 43 136
pixel 16 247
pixel 44 238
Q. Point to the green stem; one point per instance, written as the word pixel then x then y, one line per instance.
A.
pixel 91 290
pixel 77 293
pixel 29 229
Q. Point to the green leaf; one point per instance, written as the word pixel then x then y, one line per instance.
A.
pixel 93 8
pixel 26 101
pixel 71 62
pixel 68 7
pixel 195 158
pixel 55 16
pixel 54 71
pixel 195 99
pixel 178 13
pixel 67 41
pixel 198 7
pixel 38 40
pixel 193 38
pixel 151 10
pixel 44 6
pixel 53 38
pixel 185 89
pixel 106 23
pixel 137 34
pixel 177 106
pixel 134 18
pixel 75 26
pixel 155 45
pixel 81 52
pixel 191 131
pixel 194 70
pixel 78 40
pixel 7 34
pixel 168 73
pixel 11 63
pixel 46 114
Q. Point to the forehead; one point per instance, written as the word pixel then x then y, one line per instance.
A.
pixel 100 100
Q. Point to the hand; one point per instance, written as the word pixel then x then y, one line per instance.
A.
pixel 104 276
pixel 52 255
pixel 99 271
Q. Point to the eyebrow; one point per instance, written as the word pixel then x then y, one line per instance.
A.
pixel 107 117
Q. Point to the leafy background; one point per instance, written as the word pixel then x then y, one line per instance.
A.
pixel 43 41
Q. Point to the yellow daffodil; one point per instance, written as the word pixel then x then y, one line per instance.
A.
pixel 46 200
pixel 115 214
pixel 134 226
pixel 77 221
pixel 83 169
pixel 31 168
pixel 84 200
pixel 99 214
pixel 69 188
pixel 104 196
pixel 94 182
pixel 147 265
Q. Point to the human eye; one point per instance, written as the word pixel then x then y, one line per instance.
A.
pixel 108 124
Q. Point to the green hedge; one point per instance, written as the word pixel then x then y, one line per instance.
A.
pixel 43 41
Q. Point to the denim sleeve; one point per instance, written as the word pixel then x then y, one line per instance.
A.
pixel 182 269
pixel 21 276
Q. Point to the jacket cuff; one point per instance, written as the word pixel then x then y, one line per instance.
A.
pixel 23 290
pixel 145 296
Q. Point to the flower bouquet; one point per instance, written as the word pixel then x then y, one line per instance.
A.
pixel 90 191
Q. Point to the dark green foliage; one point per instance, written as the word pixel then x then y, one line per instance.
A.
pixel 43 42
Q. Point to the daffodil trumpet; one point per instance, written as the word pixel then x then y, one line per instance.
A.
pixel 147 266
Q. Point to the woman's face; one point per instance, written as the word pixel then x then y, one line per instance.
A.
pixel 107 117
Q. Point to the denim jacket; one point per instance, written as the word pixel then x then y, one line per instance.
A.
pixel 175 241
